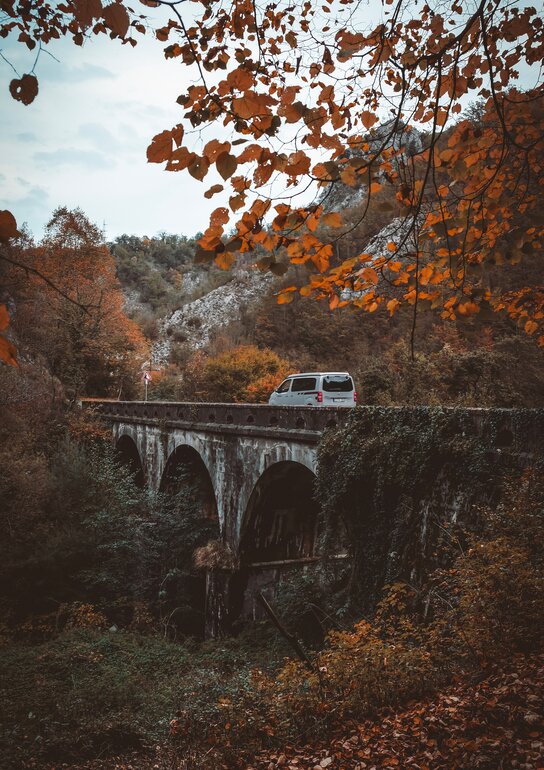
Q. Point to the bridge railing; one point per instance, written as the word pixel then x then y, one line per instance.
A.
pixel 300 418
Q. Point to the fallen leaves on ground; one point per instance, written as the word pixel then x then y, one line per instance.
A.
pixel 497 722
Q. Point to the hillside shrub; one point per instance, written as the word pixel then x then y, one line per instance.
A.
pixel 244 374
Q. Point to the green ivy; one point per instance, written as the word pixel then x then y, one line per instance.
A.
pixel 395 484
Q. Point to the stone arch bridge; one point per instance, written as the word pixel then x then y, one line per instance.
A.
pixel 255 466
pixel 236 447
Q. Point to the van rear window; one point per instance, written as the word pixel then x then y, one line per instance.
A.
pixel 302 384
pixel 337 384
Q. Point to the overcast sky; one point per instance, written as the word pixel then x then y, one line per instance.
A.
pixel 83 141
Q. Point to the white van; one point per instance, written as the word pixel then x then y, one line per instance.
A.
pixel 315 389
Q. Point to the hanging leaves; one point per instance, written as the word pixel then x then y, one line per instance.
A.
pixel 291 89
pixel 8 226
pixel 116 18
pixel 25 89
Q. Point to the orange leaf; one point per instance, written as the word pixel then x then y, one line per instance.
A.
pixel 198 168
pixel 4 318
pixel 87 10
pixel 468 308
pixel 368 118
pixel 240 78
pixel 226 165
pixel 180 159
pixel 219 217
pixel 225 260
pixel 214 149
pixel 248 106
pixel 213 189
pixel 160 148
pixel 370 275
pixel 286 295
pixel 24 90
pixel 237 201
pixel 116 18
pixel 392 305
pixel 8 226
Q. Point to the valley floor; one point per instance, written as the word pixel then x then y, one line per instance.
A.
pixel 494 723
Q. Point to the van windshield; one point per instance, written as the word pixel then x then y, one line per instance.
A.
pixel 338 384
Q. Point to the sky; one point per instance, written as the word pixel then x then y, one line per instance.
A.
pixel 83 141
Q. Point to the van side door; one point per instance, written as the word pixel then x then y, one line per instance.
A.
pixel 304 391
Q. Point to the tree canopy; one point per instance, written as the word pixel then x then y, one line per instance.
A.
pixel 292 98
pixel 70 307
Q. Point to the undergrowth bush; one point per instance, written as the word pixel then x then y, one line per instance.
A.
pixel 105 544
pixel 87 692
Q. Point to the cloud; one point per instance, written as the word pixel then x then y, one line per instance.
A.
pixel 83 73
pixel 71 156
pixel 99 136
pixel 144 111
pixel 34 207
pixel 27 136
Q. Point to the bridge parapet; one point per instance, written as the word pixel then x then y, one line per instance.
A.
pixel 307 420
pixel 521 428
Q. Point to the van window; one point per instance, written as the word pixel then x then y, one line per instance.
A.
pixel 284 387
pixel 337 384
pixel 303 384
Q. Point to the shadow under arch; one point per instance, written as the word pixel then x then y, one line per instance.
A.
pixel 189 501
pixel 186 468
pixel 130 457
pixel 281 517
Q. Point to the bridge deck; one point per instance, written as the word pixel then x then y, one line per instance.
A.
pixel 303 422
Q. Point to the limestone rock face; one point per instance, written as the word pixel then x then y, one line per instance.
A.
pixel 196 322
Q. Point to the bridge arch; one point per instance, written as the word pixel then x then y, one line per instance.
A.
pixel 186 467
pixel 280 520
pixel 130 457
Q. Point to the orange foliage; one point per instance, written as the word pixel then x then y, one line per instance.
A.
pixel 289 88
pixel 244 374
pixel 71 301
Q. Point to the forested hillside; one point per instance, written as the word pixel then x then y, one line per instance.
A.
pixel 193 314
